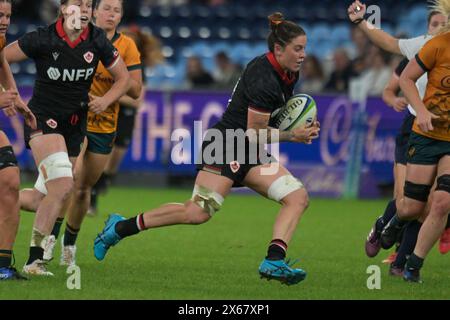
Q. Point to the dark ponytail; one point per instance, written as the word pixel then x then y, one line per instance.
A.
pixel 282 31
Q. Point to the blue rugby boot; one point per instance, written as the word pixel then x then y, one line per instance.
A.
pixel 412 275
pixel 281 270
pixel 108 237
pixel 10 273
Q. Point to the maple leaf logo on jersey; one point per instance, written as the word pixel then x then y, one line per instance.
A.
pixel 234 165
pixel 52 123
pixel 88 56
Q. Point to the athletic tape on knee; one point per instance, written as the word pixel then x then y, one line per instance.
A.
pixel 56 165
pixel 283 186
pixel 418 192
pixel 7 157
pixel 443 183
pixel 208 200
pixel 40 184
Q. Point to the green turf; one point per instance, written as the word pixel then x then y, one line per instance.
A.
pixel 219 260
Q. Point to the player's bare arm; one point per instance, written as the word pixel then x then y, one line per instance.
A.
pixel 384 40
pixel 390 92
pixel 135 84
pixel 120 87
pixel 18 105
pixel 258 121
pixel 13 53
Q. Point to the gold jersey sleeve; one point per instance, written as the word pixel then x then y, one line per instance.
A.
pixel 434 58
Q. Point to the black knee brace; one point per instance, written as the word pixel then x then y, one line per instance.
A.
pixel 419 192
pixel 443 183
pixel 7 157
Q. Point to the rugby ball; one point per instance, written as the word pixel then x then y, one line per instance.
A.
pixel 300 111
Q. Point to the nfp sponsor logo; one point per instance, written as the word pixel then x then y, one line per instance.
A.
pixel 71 75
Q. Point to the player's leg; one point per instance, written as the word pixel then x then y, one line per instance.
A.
pixel 444 240
pixel 408 240
pixel 112 166
pixel 207 198
pixel 423 157
pixel 435 222
pixel 124 135
pixel 50 154
pixel 125 128
pixel 88 169
pixel 372 244
pixel 410 207
pixel 285 189
pixel 9 208
pixel 106 178
pixel 30 198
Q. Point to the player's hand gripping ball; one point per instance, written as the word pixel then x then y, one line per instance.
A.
pixel 300 111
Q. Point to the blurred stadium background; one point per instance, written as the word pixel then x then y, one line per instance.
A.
pixel 205 44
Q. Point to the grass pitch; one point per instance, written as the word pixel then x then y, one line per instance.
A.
pixel 219 260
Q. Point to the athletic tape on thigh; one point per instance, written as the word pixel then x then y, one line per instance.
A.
pixel 208 200
pixel 283 186
pixel 443 183
pixel 56 165
pixel 419 192
pixel 7 157
pixel 40 184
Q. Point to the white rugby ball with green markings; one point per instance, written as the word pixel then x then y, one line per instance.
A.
pixel 300 111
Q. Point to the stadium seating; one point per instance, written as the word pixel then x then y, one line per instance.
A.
pixel 240 29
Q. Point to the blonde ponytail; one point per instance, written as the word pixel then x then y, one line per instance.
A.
pixel 442 6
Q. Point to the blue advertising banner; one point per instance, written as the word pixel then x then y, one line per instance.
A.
pixel 321 166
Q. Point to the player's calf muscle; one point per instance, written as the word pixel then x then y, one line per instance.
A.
pixel 195 214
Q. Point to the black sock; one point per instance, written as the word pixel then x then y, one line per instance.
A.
pixel 408 243
pixel 131 226
pixel 70 235
pixel 103 182
pixel 389 212
pixel 277 250
pixel 414 262
pixel 5 258
pixel 36 253
pixel 57 227
pixel 93 203
pixel 399 223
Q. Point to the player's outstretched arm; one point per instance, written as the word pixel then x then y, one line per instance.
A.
pixel 384 40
